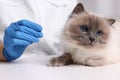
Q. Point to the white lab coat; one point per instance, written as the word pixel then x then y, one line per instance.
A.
pixel 51 14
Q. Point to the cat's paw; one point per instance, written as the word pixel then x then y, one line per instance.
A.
pixel 96 61
pixel 56 62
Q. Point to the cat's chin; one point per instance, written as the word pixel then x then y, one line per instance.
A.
pixel 90 46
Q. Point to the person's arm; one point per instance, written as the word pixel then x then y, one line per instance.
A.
pixel 2 58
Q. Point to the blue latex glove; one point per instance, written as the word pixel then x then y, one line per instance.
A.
pixel 18 36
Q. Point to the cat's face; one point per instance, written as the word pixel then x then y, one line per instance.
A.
pixel 86 29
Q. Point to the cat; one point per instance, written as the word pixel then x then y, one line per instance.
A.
pixel 88 39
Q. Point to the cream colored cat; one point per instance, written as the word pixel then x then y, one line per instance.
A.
pixel 88 39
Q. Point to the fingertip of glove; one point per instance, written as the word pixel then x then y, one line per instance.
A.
pixel 40 28
pixel 41 35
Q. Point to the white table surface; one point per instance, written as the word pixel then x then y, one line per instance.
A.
pixel 33 67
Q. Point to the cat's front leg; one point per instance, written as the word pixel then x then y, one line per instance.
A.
pixel 62 60
pixel 95 61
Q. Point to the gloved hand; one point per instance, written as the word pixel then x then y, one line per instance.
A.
pixel 18 36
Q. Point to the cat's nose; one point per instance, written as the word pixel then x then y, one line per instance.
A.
pixel 91 39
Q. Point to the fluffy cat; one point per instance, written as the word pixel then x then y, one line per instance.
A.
pixel 88 39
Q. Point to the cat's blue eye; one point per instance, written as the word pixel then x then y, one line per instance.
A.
pixel 84 28
pixel 99 33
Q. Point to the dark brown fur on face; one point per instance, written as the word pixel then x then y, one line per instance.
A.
pixel 84 30
pixel 93 24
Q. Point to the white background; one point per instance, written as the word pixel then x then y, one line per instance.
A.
pixel 33 67
pixel 108 8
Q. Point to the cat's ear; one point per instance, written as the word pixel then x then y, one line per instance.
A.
pixel 78 9
pixel 111 21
